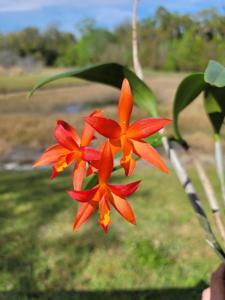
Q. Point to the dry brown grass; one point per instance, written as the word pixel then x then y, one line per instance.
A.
pixel 31 122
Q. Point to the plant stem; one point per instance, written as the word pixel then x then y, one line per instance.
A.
pixel 175 161
pixel 220 164
pixel 209 191
pixel 136 62
pixel 192 195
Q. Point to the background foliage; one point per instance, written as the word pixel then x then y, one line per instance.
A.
pixel 168 41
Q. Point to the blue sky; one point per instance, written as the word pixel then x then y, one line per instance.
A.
pixel 17 14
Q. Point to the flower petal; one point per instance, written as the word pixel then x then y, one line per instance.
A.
pixel 146 127
pixel 127 162
pixel 106 164
pixel 61 164
pixel 88 131
pixel 78 174
pixel 148 153
pixel 89 153
pixel 125 104
pixel 84 212
pixel 123 208
pixel 73 156
pixel 93 167
pixel 66 135
pixel 51 155
pixel 124 190
pixel 83 196
pixel 106 127
pixel 54 173
pixel 104 211
pixel 115 145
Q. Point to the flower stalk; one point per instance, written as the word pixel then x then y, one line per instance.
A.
pixel 220 164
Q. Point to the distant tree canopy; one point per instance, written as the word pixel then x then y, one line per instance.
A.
pixel 167 41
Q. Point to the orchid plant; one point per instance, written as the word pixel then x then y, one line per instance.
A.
pixel 132 140
pixel 73 149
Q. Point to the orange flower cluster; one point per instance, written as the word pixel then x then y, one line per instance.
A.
pixel 73 149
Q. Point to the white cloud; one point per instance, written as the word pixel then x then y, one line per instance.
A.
pixel 28 5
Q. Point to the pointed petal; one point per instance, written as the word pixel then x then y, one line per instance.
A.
pixel 60 164
pixel 89 153
pixel 124 190
pixel 90 170
pixel 94 165
pixel 127 161
pixel 84 212
pixel 104 211
pixel 51 155
pixel 106 127
pixel 146 127
pixel 125 104
pixel 66 135
pixel 78 174
pixel 73 156
pixel 123 208
pixel 115 145
pixel 82 196
pixel 54 173
pixel 106 164
pixel 148 153
pixel 88 131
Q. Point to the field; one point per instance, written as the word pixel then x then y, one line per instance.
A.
pixel 163 257
pixel 24 122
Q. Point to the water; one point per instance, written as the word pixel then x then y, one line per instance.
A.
pixel 74 108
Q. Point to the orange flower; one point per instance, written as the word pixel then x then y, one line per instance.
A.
pixel 127 137
pixel 70 148
pixel 103 195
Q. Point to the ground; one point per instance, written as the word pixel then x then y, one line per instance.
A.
pixel 164 256
pixel 164 252
pixel 24 122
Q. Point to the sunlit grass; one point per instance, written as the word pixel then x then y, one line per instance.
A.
pixel 40 253
pixel 26 81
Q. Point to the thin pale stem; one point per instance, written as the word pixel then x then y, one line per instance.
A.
pixel 190 191
pixel 175 161
pixel 220 165
pixel 136 62
pixel 209 191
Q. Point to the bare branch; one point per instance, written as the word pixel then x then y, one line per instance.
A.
pixel 136 62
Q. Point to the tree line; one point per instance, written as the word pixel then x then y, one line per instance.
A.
pixel 167 41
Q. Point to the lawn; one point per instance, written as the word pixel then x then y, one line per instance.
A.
pixel 163 257
pixel 24 82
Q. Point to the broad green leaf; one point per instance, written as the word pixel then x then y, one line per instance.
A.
pixel 211 105
pixel 189 88
pixel 213 108
pixel 111 74
pixel 215 74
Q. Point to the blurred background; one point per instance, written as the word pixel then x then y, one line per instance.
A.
pixel 165 255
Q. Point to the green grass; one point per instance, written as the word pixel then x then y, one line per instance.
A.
pixel 25 82
pixel 163 257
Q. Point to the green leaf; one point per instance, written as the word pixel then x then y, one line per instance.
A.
pixel 187 91
pixel 112 74
pixel 211 105
pixel 154 140
pixel 215 74
pixel 215 106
